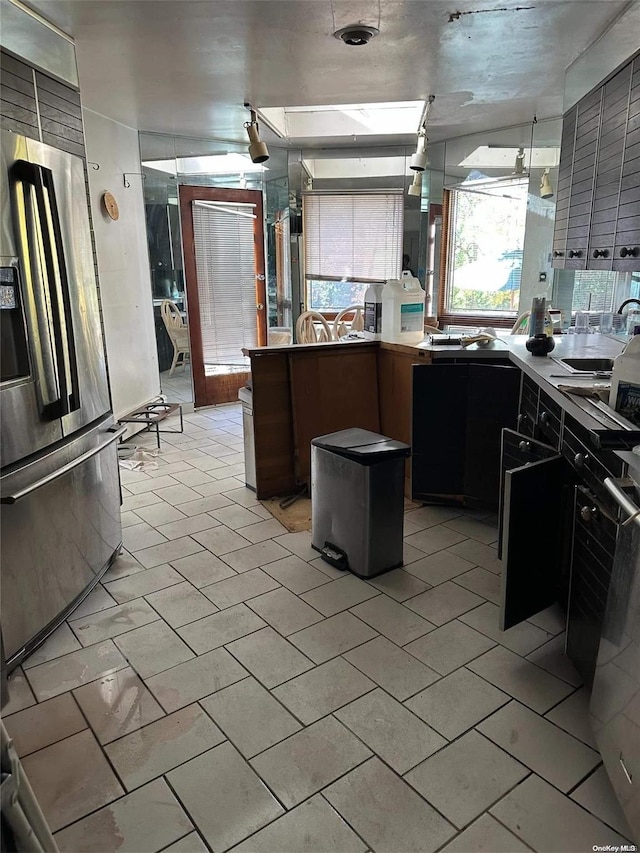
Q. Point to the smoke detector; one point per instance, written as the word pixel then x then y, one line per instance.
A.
pixel 356 34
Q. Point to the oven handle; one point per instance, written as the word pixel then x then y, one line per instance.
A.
pixel 623 500
pixel 11 499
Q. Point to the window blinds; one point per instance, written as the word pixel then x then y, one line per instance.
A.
pixel 225 267
pixel 352 236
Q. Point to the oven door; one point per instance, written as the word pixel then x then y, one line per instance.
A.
pixel 615 697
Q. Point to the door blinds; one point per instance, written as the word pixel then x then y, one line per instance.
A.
pixel 352 236
pixel 225 266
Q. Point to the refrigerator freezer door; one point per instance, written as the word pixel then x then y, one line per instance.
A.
pixel 82 329
pixel 61 527
pixel 615 697
pixel 25 427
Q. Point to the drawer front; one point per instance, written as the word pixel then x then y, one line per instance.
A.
pixel 549 421
pixel 591 465
pixel 528 412
pixel 594 540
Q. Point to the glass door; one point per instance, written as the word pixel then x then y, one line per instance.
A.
pixel 226 294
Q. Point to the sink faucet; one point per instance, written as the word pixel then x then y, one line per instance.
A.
pixel 626 302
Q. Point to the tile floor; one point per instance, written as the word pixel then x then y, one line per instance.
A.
pixel 223 688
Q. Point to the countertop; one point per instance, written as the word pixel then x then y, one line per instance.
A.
pixel 545 370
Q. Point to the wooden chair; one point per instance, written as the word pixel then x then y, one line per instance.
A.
pixel 521 326
pixel 340 327
pixel 307 331
pixel 178 333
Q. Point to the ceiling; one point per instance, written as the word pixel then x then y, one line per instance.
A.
pixel 185 67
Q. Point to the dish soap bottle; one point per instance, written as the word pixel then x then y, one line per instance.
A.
pixel 624 396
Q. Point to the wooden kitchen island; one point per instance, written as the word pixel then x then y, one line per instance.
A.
pixel 306 390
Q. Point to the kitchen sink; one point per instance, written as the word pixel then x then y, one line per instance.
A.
pixel 587 365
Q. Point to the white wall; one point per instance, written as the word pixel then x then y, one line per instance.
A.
pixel 123 263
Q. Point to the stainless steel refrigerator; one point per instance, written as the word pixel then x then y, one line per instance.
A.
pixel 59 481
pixel 615 696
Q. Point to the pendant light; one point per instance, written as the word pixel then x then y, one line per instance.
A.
pixel 258 150
pixel 419 159
pixel 546 190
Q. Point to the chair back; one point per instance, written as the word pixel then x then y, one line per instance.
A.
pixel 312 328
pixel 171 316
pixel 340 327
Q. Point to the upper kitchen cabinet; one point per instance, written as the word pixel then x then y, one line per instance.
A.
pixel 598 195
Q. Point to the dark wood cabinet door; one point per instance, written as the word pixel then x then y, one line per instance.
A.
pixel 626 251
pixel 439 431
pixel 583 174
pixel 492 405
pixel 594 540
pixel 534 480
pixel 563 189
pixel 615 107
pixel 459 411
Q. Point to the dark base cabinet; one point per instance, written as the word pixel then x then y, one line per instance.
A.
pixel 594 542
pixel 557 539
pixel 534 537
pixel 459 411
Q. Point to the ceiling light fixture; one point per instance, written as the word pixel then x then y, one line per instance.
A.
pixel 419 160
pixel 258 150
pixel 416 187
pixel 546 189
pixel 355 35
pixel 518 166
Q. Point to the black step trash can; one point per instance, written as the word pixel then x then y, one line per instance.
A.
pixel 357 500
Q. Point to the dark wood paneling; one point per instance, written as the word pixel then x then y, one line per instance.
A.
pixel 15 66
pixel 599 164
pixel 273 425
pixel 329 392
pixel 48 84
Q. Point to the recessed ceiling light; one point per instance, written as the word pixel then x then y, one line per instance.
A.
pixel 384 119
pixel 356 35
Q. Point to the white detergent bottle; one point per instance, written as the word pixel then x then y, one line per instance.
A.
pixel 624 396
pixel 403 310
pixel 373 312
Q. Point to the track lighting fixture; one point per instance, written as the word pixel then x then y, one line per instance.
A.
pixel 518 166
pixel 416 187
pixel 258 150
pixel 546 190
pixel 419 159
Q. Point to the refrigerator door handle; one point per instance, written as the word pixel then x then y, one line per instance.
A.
pixel 623 500
pixel 37 302
pixel 59 287
pixel 23 493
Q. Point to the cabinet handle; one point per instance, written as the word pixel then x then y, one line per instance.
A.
pixel 575 253
pixel 580 459
pixel 588 513
pixel 558 254
pixel 600 253
pixel 525 446
pixel 630 252
pixel 544 418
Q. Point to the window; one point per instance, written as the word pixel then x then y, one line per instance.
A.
pixel 350 240
pixel 486 243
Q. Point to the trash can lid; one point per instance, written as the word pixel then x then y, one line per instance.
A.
pixel 361 445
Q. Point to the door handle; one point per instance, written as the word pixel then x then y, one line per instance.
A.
pixel 260 278
pixel 60 472
pixel 623 500
pixel 35 292
pixel 260 306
